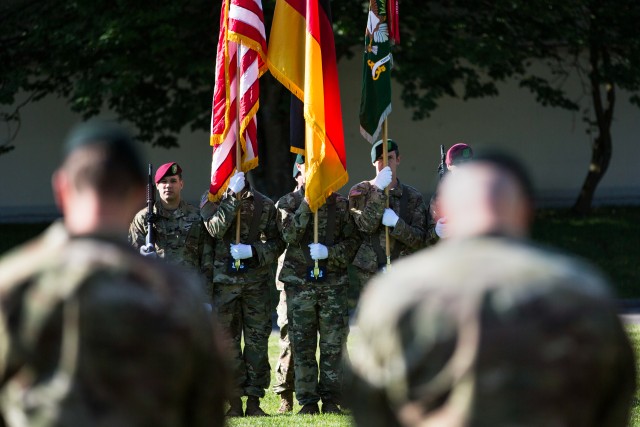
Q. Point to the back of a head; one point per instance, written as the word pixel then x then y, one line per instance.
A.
pixel 490 194
pixel 102 157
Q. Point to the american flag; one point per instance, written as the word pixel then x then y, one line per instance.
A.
pixel 242 49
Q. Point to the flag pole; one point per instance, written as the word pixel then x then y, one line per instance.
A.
pixel 316 268
pixel 385 155
pixel 238 145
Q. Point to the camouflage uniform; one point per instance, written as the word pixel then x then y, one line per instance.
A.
pixel 284 367
pixel 93 334
pixel 491 331
pixel 367 204
pixel 241 300
pixel 180 239
pixel 316 307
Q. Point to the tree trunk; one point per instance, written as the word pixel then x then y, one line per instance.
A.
pixel 602 146
pixel 273 177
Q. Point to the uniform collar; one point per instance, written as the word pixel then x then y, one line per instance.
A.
pixel 166 213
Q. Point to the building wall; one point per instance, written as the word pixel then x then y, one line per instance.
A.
pixel 551 142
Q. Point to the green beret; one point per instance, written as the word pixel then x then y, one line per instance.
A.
pixel 376 150
pixel 299 161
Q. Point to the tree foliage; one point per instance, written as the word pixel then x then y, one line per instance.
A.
pixel 152 62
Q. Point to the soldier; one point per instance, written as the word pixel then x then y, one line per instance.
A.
pixel 486 329
pixel 406 215
pixel 456 155
pixel 242 273
pixel 181 238
pixel 284 385
pixel 317 306
pixel 93 334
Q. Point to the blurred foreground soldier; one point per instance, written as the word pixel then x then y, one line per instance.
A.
pixel 317 306
pixel 284 385
pixel 457 155
pixel 92 333
pixel 486 329
pixel 406 215
pixel 241 296
pixel 181 238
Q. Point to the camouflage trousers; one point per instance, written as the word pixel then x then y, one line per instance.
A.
pixel 284 367
pixel 318 309
pixel 243 311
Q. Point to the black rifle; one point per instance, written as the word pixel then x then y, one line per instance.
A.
pixel 442 167
pixel 149 249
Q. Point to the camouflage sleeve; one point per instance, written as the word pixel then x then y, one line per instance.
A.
pixel 269 247
pixel 431 238
pixel 342 253
pixel 206 252
pixel 218 217
pixel 138 230
pixel 366 204
pixel 292 220
pixel 412 233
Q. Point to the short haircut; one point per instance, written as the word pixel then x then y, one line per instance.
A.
pixel 102 157
pixel 510 165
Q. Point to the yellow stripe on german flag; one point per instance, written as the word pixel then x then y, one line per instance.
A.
pixel 302 57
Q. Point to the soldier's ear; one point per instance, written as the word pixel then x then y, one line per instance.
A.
pixel 59 184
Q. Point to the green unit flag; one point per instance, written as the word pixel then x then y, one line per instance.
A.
pixel 375 104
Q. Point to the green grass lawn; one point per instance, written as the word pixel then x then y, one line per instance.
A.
pixel 271 403
pixel 608 237
pixel 634 334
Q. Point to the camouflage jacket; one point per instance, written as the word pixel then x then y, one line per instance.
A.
pixel 491 331
pixel 220 221
pixel 88 330
pixel 295 222
pixel 181 238
pixel 367 204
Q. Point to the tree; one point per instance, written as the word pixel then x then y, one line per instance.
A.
pixel 152 62
pixel 481 42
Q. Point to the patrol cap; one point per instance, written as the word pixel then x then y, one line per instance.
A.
pixel 168 169
pixel 299 161
pixel 121 153
pixel 458 153
pixel 376 150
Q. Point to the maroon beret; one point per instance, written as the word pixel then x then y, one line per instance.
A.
pixel 459 153
pixel 168 169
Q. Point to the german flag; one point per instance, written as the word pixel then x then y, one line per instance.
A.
pixel 302 57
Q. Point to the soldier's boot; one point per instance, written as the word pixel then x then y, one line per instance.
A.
pixel 235 408
pixel 286 402
pixel 309 409
pixel 330 408
pixel 253 407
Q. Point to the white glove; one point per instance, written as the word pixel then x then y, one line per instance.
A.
pixel 318 251
pixel 441 228
pixel 390 218
pixel 240 251
pixel 148 251
pixel 236 183
pixel 383 179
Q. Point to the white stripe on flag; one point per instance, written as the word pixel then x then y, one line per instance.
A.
pixel 246 16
